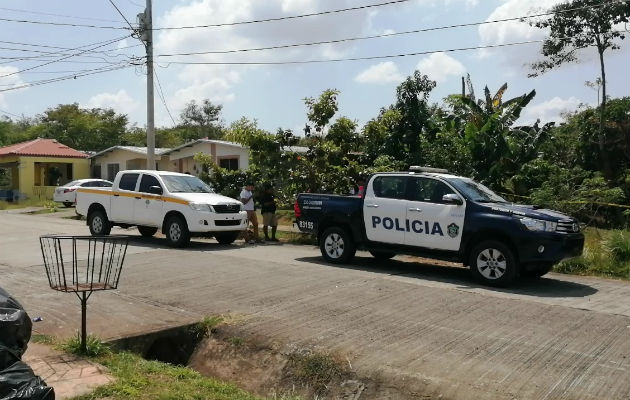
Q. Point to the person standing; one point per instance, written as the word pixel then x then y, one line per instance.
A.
pixel 268 210
pixel 247 198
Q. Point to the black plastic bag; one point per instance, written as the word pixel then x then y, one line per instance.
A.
pixel 17 380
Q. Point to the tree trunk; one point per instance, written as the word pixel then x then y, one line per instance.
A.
pixel 602 111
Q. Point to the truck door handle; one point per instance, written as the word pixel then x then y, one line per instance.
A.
pixel 116 195
pixel 415 209
pixel 138 197
pixel 372 205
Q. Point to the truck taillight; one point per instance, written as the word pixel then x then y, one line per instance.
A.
pixel 68 190
pixel 297 210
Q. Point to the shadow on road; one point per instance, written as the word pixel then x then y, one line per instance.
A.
pixel 461 277
pixel 196 244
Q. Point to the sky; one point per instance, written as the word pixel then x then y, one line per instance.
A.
pixel 273 94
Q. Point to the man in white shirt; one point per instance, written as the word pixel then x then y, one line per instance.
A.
pixel 247 198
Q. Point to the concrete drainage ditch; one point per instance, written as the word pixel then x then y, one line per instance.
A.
pixel 267 369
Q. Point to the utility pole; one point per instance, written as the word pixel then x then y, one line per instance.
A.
pixel 146 24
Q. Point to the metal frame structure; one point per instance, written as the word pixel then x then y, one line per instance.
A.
pixel 99 270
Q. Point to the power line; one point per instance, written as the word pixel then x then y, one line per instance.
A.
pixel 59 79
pixel 26 21
pixel 321 61
pixel 55 15
pixel 122 15
pixel 161 94
pixel 341 10
pixel 71 73
pixel 66 57
pixel 437 28
pixel 10 113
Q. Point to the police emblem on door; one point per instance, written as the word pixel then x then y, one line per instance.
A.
pixel 453 230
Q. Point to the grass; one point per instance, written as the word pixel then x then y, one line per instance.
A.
pixel 139 379
pixel 317 370
pixel 296 238
pixel 44 339
pixel 205 327
pixel 4 205
pixel 606 253
pixel 94 346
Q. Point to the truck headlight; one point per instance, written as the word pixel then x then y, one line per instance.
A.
pixel 242 208
pixel 538 224
pixel 201 207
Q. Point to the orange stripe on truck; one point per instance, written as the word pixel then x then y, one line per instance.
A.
pixel 126 194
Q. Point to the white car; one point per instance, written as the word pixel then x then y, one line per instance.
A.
pixel 67 194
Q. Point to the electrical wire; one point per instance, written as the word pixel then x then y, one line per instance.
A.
pixel 321 61
pixel 122 15
pixel 161 94
pixel 10 113
pixel 341 10
pixel 66 57
pixel 56 15
pixel 384 35
pixel 26 21
pixel 63 78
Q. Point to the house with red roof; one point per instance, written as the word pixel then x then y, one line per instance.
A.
pixel 33 169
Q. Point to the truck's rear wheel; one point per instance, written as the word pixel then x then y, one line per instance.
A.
pixel 98 223
pixel 337 245
pixel 226 237
pixel 177 234
pixel 147 231
pixel 493 263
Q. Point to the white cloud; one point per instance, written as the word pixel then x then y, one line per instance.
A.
pixel 440 66
pixel 7 82
pixel 550 110
pixel 120 101
pixel 217 82
pixel 384 72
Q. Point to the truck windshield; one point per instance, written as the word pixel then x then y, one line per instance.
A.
pixel 185 184
pixel 475 191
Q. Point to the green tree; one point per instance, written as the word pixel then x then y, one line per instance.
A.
pixel 201 120
pixel 83 129
pixel 321 110
pixel 411 102
pixel 497 149
pixel 581 24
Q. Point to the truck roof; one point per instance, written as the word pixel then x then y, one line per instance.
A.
pixel 435 174
pixel 144 171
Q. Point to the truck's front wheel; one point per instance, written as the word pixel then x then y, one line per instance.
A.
pixel 337 245
pixel 98 223
pixel 177 233
pixel 493 263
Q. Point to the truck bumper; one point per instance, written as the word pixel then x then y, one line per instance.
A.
pixel 549 248
pixel 214 222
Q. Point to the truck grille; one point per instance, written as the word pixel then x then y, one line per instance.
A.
pixel 233 222
pixel 227 208
pixel 568 226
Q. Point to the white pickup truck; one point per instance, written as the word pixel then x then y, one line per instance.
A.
pixel 180 205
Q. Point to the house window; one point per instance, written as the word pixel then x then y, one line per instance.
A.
pixel 231 164
pixel 112 170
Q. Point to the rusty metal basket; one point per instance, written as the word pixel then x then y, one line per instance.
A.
pixel 82 265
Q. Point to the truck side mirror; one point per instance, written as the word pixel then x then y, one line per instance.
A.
pixel 452 198
pixel 156 190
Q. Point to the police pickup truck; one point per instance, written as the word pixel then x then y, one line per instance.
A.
pixel 430 213
pixel 180 205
